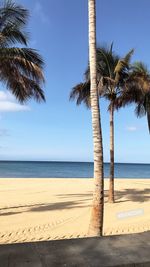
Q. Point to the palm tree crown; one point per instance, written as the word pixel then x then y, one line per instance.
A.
pixel 21 69
pixel 112 71
pixel 137 90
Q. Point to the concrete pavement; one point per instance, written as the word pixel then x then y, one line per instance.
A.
pixel 123 250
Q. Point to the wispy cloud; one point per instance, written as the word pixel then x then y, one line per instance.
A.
pixel 131 128
pixel 9 104
pixel 39 11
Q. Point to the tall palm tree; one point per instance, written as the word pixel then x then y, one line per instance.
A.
pixel 21 69
pixel 96 220
pixel 137 90
pixel 112 72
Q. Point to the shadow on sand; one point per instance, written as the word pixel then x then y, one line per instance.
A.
pixel 78 201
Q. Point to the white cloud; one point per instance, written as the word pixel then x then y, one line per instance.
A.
pixel 38 10
pixel 131 128
pixel 4 96
pixel 9 104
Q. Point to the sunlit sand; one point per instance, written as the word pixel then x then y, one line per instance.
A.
pixel 45 209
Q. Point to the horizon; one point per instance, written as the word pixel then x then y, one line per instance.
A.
pixel 58 161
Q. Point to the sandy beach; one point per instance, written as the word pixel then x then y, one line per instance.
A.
pixel 45 209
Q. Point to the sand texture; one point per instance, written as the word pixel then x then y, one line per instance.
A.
pixel 45 209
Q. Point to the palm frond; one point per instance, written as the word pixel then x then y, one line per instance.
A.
pixel 143 109
pixel 12 14
pixel 140 110
pixel 25 67
pixel 106 62
pixel 26 53
pixel 140 67
pixel 111 48
pixel 12 34
pixel 21 69
pixel 81 93
pixel 136 90
pixel 123 63
pixel 128 56
pixel 20 85
pixel 147 108
pixel 121 70
pixel 27 63
pixel 130 93
pixel 148 119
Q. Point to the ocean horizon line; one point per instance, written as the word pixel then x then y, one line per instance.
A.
pixel 68 161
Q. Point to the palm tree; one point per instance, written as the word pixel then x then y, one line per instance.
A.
pixel 96 220
pixel 21 69
pixel 137 90
pixel 112 72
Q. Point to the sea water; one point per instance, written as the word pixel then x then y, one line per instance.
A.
pixel 52 169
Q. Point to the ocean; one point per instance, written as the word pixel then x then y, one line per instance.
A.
pixel 52 169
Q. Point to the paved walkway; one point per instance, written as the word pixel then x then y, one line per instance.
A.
pixel 125 250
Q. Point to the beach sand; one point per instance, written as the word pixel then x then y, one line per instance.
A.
pixel 45 209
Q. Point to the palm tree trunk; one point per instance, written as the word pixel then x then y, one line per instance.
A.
pixel 111 181
pixel 96 220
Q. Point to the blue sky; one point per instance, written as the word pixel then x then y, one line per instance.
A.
pixel 58 130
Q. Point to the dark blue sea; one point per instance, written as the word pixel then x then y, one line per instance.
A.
pixel 39 169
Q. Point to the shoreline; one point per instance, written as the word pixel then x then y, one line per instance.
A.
pixel 59 208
